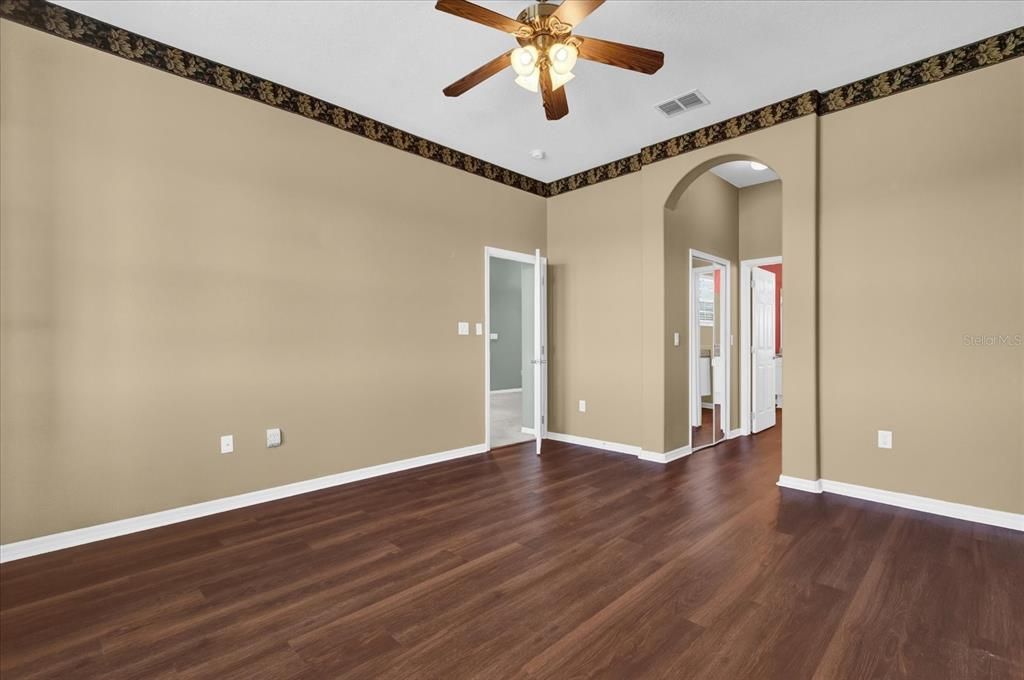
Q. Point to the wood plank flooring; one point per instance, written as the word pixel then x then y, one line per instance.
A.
pixel 576 564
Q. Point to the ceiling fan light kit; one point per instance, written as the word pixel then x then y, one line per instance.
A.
pixel 548 50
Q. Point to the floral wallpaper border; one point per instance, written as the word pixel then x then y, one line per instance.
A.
pixel 71 25
pixel 611 170
pixel 957 61
pixel 960 60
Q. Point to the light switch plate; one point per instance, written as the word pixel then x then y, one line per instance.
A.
pixel 227 443
pixel 583 405
pixel 463 328
pixel 884 439
pixel 675 339
pixel 479 329
pixel 273 437
pixel 494 336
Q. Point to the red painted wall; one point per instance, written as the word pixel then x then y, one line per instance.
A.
pixel 777 270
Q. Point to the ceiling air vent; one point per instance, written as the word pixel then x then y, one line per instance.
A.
pixel 683 103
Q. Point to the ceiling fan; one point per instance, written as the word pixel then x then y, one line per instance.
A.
pixel 547 49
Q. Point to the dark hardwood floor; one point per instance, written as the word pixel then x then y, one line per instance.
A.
pixel 575 564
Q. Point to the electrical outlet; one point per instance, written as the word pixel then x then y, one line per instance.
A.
pixel 675 339
pixel 273 437
pixel 227 443
pixel 583 405
pixel 884 439
pixel 479 329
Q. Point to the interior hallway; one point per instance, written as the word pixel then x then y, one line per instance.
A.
pixel 509 565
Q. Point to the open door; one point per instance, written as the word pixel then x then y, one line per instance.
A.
pixel 540 356
pixel 762 348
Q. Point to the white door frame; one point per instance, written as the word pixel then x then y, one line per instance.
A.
pixel 502 254
pixel 725 332
pixel 696 400
pixel 540 353
pixel 745 402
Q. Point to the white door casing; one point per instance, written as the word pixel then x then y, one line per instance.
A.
pixel 699 367
pixel 531 260
pixel 762 348
pixel 540 357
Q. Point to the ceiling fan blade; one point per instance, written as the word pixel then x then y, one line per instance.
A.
pixel 474 78
pixel 623 56
pixel 555 104
pixel 572 12
pixel 482 15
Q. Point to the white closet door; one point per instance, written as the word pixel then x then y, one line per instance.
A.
pixel 762 348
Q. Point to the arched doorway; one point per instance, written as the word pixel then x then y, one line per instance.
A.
pixel 723 214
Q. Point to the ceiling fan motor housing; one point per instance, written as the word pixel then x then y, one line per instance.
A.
pixel 547 30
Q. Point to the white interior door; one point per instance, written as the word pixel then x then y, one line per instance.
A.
pixel 762 348
pixel 540 356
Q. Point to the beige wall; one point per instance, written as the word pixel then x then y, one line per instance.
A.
pixel 620 224
pixel 595 322
pixel 760 220
pixel 607 245
pixel 177 264
pixel 922 242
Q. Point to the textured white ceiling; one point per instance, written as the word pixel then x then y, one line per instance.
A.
pixel 740 174
pixel 390 59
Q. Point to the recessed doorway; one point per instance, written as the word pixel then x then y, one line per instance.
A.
pixel 515 335
pixel 761 337
pixel 709 349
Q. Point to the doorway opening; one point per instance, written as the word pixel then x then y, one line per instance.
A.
pixel 761 337
pixel 709 339
pixel 515 355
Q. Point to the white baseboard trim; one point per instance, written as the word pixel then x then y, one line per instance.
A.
pixel 971 513
pixel 934 506
pixel 528 430
pixel 595 443
pixel 508 391
pixel 99 532
pixel 738 432
pixel 667 457
pixel 810 485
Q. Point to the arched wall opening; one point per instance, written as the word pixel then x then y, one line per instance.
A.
pixel 722 213
pixel 791 150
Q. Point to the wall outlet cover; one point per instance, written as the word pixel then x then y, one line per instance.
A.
pixel 479 329
pixel 885 439
pixel 273 437
pixel 227 443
